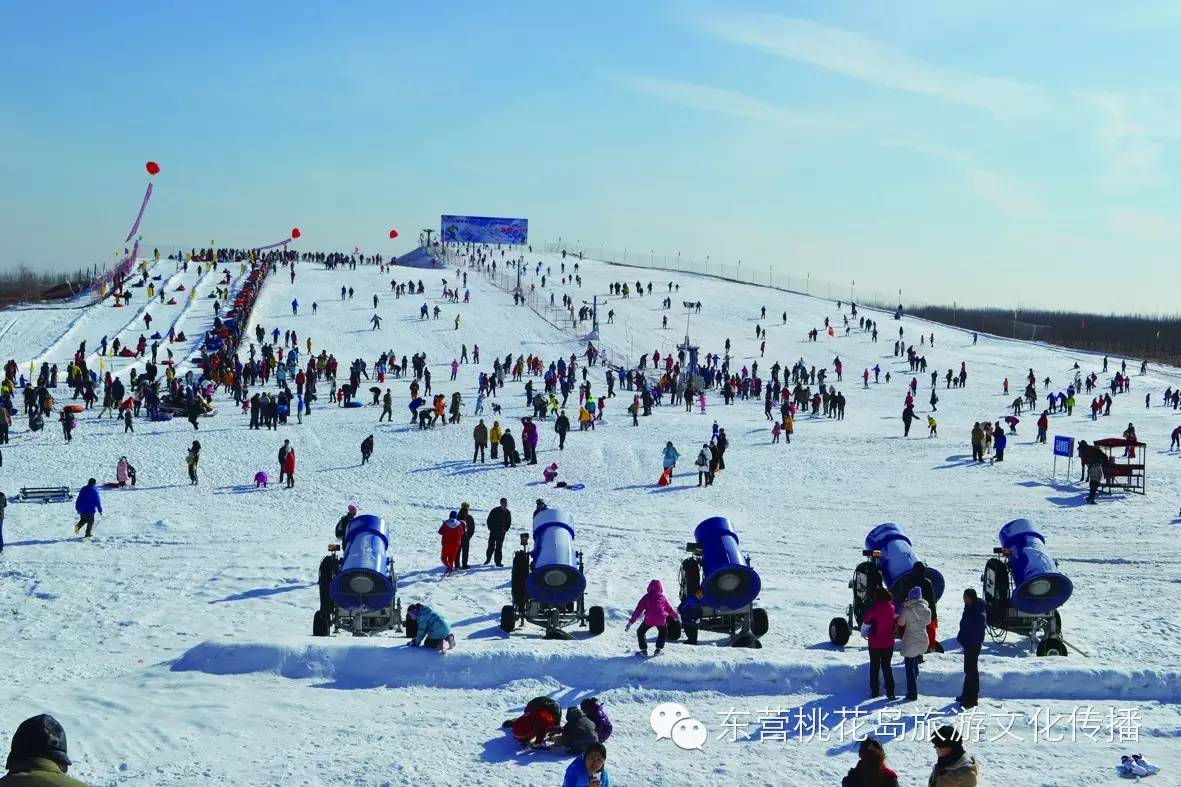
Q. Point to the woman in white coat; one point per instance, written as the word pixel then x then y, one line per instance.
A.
pixel 913 620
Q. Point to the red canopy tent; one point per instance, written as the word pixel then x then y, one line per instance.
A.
pixel 1124 468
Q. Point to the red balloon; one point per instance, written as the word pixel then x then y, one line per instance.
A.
pixel 295 232
pixel 152 167
pixel 393 234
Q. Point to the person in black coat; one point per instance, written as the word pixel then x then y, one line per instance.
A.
pixel 469 530
pixel 562 426
pixel 500 521
pixel 508 444
pixel 366 449
pixel 973 623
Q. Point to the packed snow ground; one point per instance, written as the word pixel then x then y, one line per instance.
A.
pixel 175 647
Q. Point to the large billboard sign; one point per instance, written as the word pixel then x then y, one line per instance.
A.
pixel 483 229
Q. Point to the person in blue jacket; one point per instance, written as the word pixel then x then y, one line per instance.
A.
pixel 670 455
pixel 973 622
pixel 999 441
pixel 588 769
pixel 87 504
pixel 433 629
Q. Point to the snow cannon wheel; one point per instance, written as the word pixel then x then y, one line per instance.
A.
pixel 1051 646
pixel 596 620
pixel 319 624
pixel 410 626
pixel 520 574
pixel 838 632
pixel 328 569
pixel 746 640
pixel 759 624
pixel 508 618
pixel 674 630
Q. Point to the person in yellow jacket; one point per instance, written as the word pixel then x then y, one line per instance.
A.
pixel 789 426
pixel 494 436
pixel 584 419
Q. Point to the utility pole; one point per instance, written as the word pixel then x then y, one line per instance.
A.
pixel 594 304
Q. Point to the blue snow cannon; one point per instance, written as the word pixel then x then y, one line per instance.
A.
pixel 549 581
pixel 364 580
pixel 556 576
pixel 358 586
pixel 1024 589
pixel 895 557
pixel 728 587
pixel 728 580
pixel 890 558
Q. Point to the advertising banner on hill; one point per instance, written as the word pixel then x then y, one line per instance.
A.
pixel 483 229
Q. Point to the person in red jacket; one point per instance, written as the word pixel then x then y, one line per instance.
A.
pixel 880 633
pixel 452 533
pixel 537 723
pixel 1043 424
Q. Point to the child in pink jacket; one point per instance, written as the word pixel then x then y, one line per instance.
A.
pixel 657 612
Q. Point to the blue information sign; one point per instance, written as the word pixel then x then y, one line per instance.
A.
pixel 1063 446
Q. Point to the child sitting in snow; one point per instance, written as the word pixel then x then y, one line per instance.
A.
pixel 550 473
pixel 260 479
pixel 594 710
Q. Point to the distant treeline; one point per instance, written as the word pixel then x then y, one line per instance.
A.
pixel 1124 336
pixel 25 286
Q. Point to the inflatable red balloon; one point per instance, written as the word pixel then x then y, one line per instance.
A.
pixel 393 234
pixel 152 167
pixel 295 232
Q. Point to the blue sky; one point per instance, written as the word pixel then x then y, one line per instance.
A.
pixel 1002 153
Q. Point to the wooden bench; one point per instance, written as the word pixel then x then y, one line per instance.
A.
pixel 46 494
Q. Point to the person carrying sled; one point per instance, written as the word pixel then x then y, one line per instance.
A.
pixel 656 612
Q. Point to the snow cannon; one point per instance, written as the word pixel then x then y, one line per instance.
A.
pixel 364 581
pixel 358 585
pixel 556 577
pixel 890 562
pixel 1024 589
pixel 892 549
pixel 549 581
pixel 718 588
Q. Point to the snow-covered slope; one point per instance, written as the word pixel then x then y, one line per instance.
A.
pixel 175 647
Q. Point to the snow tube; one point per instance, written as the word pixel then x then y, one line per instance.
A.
pixel 156 336
pixel 179 288
pixel 353 403
pixel 167 362
pixel 126 352
pixel 180 337
pixel 172 301
pixel 162 417
pixel 73 408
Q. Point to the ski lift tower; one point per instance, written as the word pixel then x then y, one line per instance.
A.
pixel 687 346
pixel 594 304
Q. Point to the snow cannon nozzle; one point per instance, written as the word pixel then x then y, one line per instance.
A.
pixel 1038 586
pixel 556 575
pixel 364 581
pixel 896 559
pixel 728 580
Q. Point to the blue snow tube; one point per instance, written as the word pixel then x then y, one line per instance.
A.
pixel 897 558
pixel 728 581
pixel 162 416
pixel 353 403
pixel 364 581
pixel 555 578
pixel 1038 586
